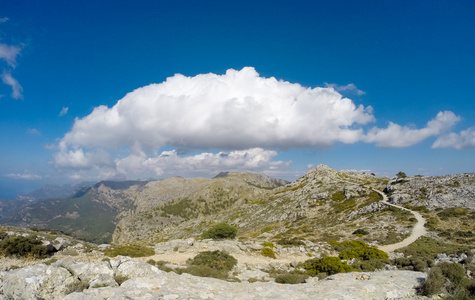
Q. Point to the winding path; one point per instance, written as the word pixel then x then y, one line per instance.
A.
pixel 417 231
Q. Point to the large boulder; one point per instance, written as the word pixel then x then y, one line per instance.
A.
pixel 37 282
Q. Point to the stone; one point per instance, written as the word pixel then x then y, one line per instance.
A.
pixel 39 280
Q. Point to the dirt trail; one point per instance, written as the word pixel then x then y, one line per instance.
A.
pixel 417 231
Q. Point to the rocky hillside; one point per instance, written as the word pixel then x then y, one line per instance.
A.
pixel 317 206
pixel 92 213
pixel 78 270
pixel 434 191
pixel 322 205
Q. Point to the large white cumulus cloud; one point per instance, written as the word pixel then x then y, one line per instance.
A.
pixel 238 110
pixel 239 113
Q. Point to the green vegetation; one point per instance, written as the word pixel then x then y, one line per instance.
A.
pixel 338 196
pixel 131 250
pixel 291 278
pixel 220 231
pixel 216 264
pixel 360 231
pixel 20 246
pixel 120 279
pixel 371 265
pixel 413 263
pixel 161 264
pixel 401 174
pixel 450 279
pixel 452 212
pixel 329 265
pixel 290 242
pixel 77 286
pixel 268 244
pixel 268 252
pixel 428 248
pixel 357 249
pixel 184 208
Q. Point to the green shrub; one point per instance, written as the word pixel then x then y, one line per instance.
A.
pixel 268 244
pixel 371 265
pixel 120 279
pixel 452 212
pixel 220 231
pixel 161 264
pixel 23 246
pixel 77 286
pixel 357 249
pixel 434 282
pixel 131 250
pixel 360 231
pixel 214 259
pixel 268 252
pixel 291 278
pixel 413 263
pixel 205 271
pixel 363 253
pixel 338 196
pixel 428 248
pixel 401 174
pixel 290 242
pixel 329 265
pixel 449 278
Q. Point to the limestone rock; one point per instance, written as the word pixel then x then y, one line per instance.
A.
pixel 38 281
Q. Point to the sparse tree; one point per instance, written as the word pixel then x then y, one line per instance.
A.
pixel 401 174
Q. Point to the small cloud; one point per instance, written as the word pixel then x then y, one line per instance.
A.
pixel 397 136
pixel 49 146
pixel 25 176
pixel 9 53
pixel 63 111
pixel 463 140
pixel 3 20
pixel 17 90
pixel 351 87
pixel 309 166
pixel 34 131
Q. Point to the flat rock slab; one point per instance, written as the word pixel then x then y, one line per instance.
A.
pixel 351 286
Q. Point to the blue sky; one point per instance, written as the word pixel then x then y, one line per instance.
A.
pixel 266 86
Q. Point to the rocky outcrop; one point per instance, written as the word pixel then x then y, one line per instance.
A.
pixel 78 281
pixel 434 192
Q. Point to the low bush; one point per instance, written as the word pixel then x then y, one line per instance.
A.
pixel 161 264
pixel 371 265
pixel 290 242
pixel 449 278
pixel 357 249
pixel 268 252
pixel 268 244
pixel 77 286
pixel 360 232
pixel 329 265
pixel 338 196
pixel 428 248
pixel 413 263
pixel 216 264
pixel 220 231
pixel 131 250
pixel 452 212
pixel 23 246
pixel 120 279
pixel 291 278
